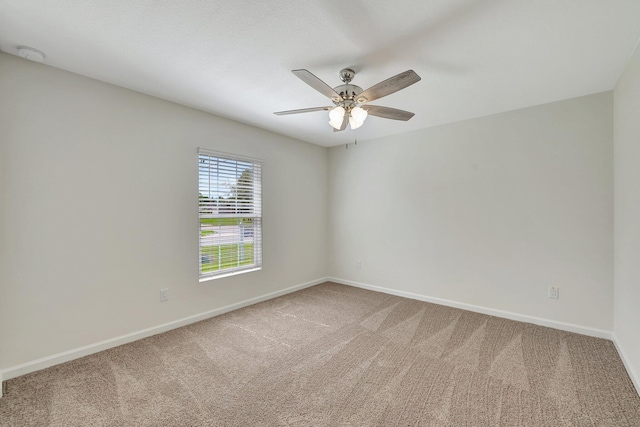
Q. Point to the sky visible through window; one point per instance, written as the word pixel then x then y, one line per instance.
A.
pixel 222 177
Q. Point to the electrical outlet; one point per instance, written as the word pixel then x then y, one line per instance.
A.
pixel 358 264
pixel 553 292
pixel 164 294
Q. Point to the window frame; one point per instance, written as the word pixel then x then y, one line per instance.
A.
pixel 255 216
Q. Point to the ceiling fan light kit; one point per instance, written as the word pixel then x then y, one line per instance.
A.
pixel 357 117
pixel 350 101
pixel 335 117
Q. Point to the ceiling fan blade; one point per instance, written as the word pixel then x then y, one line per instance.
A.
pixel 389 86
pixel 388 113
pixel 310 79
pixel 345 120
pixel 302 110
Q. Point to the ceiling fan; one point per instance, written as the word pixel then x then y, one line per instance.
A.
pixel 351 102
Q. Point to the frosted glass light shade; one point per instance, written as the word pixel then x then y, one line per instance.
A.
pixel 357 117
pixel 354 124
pixel 359 114
pixel 336 116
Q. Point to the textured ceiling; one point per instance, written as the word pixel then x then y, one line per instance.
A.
pixel 234 58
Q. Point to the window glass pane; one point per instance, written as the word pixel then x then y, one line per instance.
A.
pixel 230 214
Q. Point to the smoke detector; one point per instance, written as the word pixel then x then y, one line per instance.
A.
pixel 31 54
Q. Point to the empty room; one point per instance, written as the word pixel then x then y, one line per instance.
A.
pixel 320 213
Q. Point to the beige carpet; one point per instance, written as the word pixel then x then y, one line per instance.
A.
pixel 333 355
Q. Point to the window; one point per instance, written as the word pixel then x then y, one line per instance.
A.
pixel 230 209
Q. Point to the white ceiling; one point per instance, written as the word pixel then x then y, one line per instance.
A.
pixel 233 58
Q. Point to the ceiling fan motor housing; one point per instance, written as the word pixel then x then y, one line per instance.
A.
pixel 348 92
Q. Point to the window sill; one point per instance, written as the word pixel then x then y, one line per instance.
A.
pixel 233 273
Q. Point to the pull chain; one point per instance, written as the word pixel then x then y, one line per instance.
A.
pixel 355 139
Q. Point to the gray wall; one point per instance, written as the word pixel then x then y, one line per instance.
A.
pixel 488 212
pixel 99 202
pixel 627 214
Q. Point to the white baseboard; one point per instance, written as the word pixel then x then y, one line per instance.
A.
pixel 56 359
pixel 45 362
pixel 635 379
pixel 569 327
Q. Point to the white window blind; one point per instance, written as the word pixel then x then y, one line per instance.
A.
pixel 230 209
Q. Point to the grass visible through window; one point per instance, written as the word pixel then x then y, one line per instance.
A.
pixel 219 257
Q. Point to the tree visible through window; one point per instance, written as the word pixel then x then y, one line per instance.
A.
pixel 230 214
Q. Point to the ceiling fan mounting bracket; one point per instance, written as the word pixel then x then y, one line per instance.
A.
pixel 346 75
pixel 347 91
